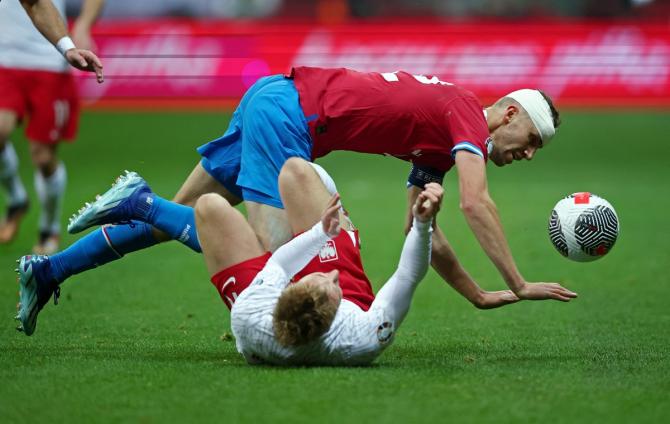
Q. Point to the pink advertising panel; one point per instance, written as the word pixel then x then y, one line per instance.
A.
pixel 211 62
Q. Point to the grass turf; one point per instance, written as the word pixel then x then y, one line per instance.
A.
pixel 147 339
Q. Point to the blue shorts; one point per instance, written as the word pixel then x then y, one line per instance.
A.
pixel 267 128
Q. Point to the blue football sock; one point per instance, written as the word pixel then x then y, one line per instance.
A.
pixel 178 221
pixel 103 245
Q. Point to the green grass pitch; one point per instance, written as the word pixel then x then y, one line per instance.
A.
pixel 147 339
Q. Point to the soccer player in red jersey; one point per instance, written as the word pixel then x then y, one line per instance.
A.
pixel 35 86
pixel 433 124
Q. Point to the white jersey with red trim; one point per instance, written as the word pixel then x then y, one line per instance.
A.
pixel 355 336
pixel 22 45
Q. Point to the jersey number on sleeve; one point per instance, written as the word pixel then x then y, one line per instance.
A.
pixel 393 77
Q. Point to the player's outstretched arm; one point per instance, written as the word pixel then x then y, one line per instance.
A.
pixel 482 216
pixel 48 21
pixel 395 296
pixel 81 34
pixel 446 264
pixel 81 30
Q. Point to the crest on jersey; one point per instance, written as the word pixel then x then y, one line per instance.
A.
pixel 385 332
pixel 328 252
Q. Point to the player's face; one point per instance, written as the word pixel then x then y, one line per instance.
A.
pixel 327 281
pixel 515 140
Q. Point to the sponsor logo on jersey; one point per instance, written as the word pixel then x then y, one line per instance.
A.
pixel 228 291
pixel 328 252
pixel 385 332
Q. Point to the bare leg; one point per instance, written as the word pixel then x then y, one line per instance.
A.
pixel 9 179
pixel 8 122
pixel 44 157
pixel 269 223
pixel 225 236
pixel 304 195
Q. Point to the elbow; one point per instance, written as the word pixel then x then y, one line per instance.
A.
pixel 470 207
pixel 473 205
pixel 29 4
pixel 413 276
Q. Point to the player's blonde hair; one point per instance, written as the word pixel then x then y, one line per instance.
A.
pixel 303 313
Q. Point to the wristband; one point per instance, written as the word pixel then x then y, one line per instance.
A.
pixel 421 175
pixel 65 44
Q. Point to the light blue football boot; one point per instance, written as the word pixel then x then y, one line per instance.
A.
pixel 129 198
pixel 35 290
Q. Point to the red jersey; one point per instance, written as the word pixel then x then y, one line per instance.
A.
pixel 412 117
pixel 341 253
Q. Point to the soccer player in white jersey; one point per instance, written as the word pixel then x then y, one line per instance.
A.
pixel 35 86
pixel 314 321
pixel 330 316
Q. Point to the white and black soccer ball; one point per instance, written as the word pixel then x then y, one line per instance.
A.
pixel 583 227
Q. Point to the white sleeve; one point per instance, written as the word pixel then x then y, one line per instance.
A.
pixel 396 295
pixel 296 254
pixel 415 256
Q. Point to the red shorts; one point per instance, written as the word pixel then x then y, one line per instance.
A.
pixel 342 253
pixel 235 279
pixel 49 99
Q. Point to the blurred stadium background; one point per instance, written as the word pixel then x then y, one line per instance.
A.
pixel 146 339
pixel 583 52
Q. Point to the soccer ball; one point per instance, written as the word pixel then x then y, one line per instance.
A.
pixel 583 227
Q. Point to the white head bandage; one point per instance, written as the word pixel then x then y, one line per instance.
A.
pixel 539 111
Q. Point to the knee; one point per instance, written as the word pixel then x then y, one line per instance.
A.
pixel 210 205
pixel 7 125
pixel 5 132
pixel 43 157
pixel 294 172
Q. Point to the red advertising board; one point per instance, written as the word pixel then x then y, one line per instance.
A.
pixel 208 62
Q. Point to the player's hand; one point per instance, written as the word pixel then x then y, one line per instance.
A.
pixel 428 202
pixel 494 299
pixel 543 291
pixel 331 217
pixel 85 60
